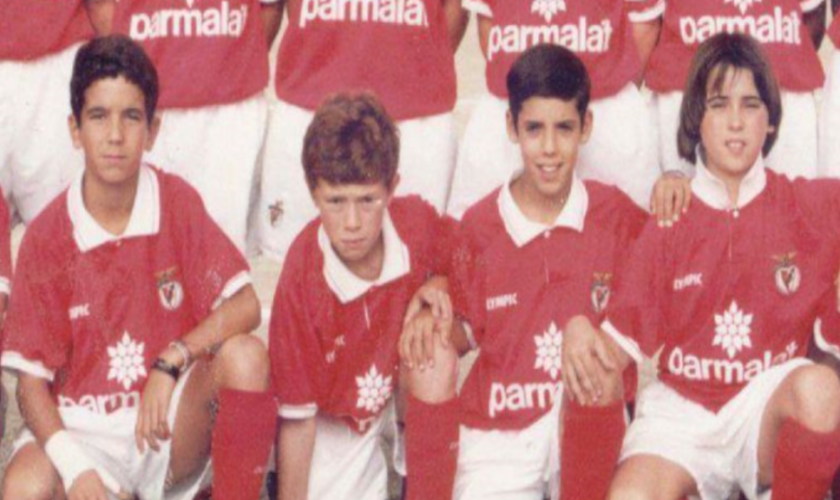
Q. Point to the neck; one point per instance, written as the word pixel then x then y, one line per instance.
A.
pixel 536 206
pixel 732 183
pixel 110 205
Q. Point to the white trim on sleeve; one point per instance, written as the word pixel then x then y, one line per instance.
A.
pixel 822 343
pixel 14 360
pixel 478 7
pixel 298 412
pixel 238 282
pixel 5 286
pixel 809 5
pixel 648 15
pixel 627 344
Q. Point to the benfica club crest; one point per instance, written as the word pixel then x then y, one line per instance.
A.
pixel 170 291
pixel 600 291
pixel 275 212
pixel 787 274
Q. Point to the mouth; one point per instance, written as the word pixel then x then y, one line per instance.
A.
pixel 736 146
pixel 549 168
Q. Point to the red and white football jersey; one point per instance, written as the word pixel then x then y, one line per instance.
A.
pixel 5 247
pixel 519 285
pixel 207 52
pixel 30 29
pixel 776 24
pixel 599 31
pixel 731 292
pixel 834 31
pixel 333 336
pixel 91 311
pixel 398 49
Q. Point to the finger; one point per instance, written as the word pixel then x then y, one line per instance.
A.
pixel 587 382
pixel 687 195
pixel 679 199
pixel 574 385
pixel 657 201
pixel 445 332
pixel 138 430
pixel 414 307
pixel 429 343
pixel 403 346
pixel 435 303
pixel 416 348
pixel 150 424
pixel 668 208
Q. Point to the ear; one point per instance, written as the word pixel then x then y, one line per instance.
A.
pixel 75 131
pixel 513 133
pixel 154 128
pixel 588 122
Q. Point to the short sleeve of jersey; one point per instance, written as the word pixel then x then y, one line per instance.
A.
pixel 466 285
pixel 819 201
pixel 827 326
pixel 293 345
pixel 5 248
pixel 810 5
pixel 480 7
pixel 834 31
pixel 36 334
pixel 214 269
pixel 635 317
pixel 641 11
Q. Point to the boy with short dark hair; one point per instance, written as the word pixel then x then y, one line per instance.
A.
pixel 539 250
pixel 338 313
pixel 128 319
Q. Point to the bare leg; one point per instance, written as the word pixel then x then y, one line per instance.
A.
pixel 31 476
pixel 648 477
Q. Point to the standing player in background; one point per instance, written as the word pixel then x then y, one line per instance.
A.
pixel 789 32
pixel 614 38
pixel 128 325
pixel 402 50
pixel 38 40
pixel 212 57
pixel 541 249
pixel 338 315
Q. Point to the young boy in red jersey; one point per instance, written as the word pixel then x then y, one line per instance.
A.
pixel 338 312
pixel 128 320
pixel 541 249
pixel 731 294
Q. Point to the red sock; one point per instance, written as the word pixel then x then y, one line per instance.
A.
pixel 431 445
pixel 592 438
pixel 242 440
pixel 805 462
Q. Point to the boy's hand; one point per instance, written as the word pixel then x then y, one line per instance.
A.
pixel 416 345
pixel 671 196
pixel 152 424
pixel 432 295
pixel 582 349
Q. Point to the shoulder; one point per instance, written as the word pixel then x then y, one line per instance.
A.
pixel 609 206
pixel 304 257
pixel 175 192
pixel 482 220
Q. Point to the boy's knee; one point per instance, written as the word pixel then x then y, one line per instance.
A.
pixel 244 364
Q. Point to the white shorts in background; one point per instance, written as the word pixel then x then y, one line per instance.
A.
pixel 621 150
pixel 510 465
pixel 217 149
pixel 108 440
pixel 829 154
pixel 720 451
pixel 794 154
pixel 427 158
pixel 37 157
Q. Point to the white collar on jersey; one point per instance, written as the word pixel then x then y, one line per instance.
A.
pixel 522 230
pixel 349 287
pixel 145 215
pixel 712 191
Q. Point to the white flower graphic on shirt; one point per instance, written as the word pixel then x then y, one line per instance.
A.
pixel 127 361
pixel 732 330
pixel 549 349
pixel 374 390
pixel 743 5
pixel 547 8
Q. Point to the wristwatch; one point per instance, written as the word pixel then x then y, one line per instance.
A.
pixel 167 368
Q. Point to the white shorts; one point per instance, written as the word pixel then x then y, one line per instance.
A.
pixel 427 158
pixel 347 465
pixel 510 465
pixel 829 155
pixel 794 154
pixel 720 451
pixel 108 440
pixel 216 149
pixel 37 157
pixel 621 150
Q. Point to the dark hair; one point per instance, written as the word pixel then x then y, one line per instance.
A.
pixel 351 140
pixel 713 61
pixel 111 57
pixel 548 71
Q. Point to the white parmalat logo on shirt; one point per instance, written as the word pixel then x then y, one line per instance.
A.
pixel 742 5
pixel 501 301
pixel 693 279
pixel 548 8
pixel 777 27
pixel 732 330
pixel 222 21
pixel 103 403
pixel 374 390
pixel 580 37
pixel 405 12
pixel 80 311
pixel 727 371
pixel 127 363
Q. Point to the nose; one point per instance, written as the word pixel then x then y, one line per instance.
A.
pixel 736 118
pixel 352 217
pixel 549 143
pixel 115 131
